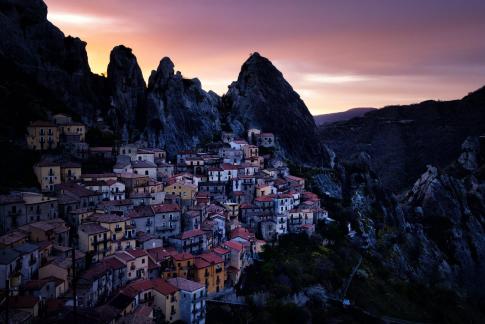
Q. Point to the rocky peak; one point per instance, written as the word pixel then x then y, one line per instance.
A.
pixel 127 88
pixel 262 98
pixel 163 74
pixel 180 114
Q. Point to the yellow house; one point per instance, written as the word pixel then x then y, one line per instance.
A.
pixel 117 226
pixel 209 271
pixel 73 129
pixel 95 240
pixel 48 175
pixel 182 266
pixel 185 191
pixel 167 299
pixel 42 135
pixel 70 171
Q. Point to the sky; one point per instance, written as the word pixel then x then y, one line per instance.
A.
pixel 336 54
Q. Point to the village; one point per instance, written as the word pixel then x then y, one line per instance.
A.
pixel 153 238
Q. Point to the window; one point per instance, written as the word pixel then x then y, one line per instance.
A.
pixel 143 260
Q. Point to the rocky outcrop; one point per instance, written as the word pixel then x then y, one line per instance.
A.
pixel 40 51
pixel 261 98
pixel 402 140
pixel 180 114
pixel 127 88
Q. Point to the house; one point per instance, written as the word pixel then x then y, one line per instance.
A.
pixel 120 272
pixel 109 189
pixel 299 217
pixel 10 268
pixel 48 175
pixel 146 168
pixel 194 241
pixel 215 190
pixel 13 238
pixel 54 230
pixel 86 197
pixel 238 259
pixel 29 254
pixel 95 240
pixel 250 151
pixel 123 166
pixel 12 212
pixel 136 261
pixel 47 288
pixel 283 203
pixel 192 300
pixel 183 155
pixel 95 285
pixel 39 207
pixel 167 220
pixel 73 131
pixel 232 155
pixel 266 140
pixel 70 171
pixel 143 219
pixel 185 191
pixel 209 271
pixel 145 155
pixel 42 135
pixel 121 236
pixel 102 152
pixel 129 150
pixel 164 169
pixel 238 144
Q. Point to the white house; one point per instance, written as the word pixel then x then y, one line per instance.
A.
pixel 238 144
pixel 192 300
pixel 145 168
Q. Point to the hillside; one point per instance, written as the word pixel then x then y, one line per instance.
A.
pixel 402 140
pixel 341 116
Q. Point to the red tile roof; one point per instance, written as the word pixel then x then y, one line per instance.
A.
pixel 211 257
pixel 165 208
pixel 184 284
pixel 234 245
pixel 163 287
pixel 192 233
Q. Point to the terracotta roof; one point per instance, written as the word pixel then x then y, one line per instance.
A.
pixel 92 228
pixel 143 164
pixel 220 250
pixel 165 208
pixel 137 253
pixel 163 287
pixel 184 284
pixel 211 257
pixel 234 245
pixel 242 233
pixel 113 263
pixel 201 263
pixel 182 256
pixel 191 233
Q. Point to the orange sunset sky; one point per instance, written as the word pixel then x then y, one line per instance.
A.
pixel 336 54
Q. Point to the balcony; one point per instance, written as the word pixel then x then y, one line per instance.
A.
pixel 218 270
pixel 32 261
pixel 132 267
pixel 118 229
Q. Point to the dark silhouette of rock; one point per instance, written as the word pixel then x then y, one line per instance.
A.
pixel 179 113
pixel 40 51
pixel 127 88
pixel 261 98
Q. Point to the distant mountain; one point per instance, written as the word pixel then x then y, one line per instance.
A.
pixel 343 115
pixel 402 140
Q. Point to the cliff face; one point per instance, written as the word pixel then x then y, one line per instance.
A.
pixel 435 233
pixel 402 140
pixel 127 88
pixel 179 113
pixel 261 98
pixel 37 49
